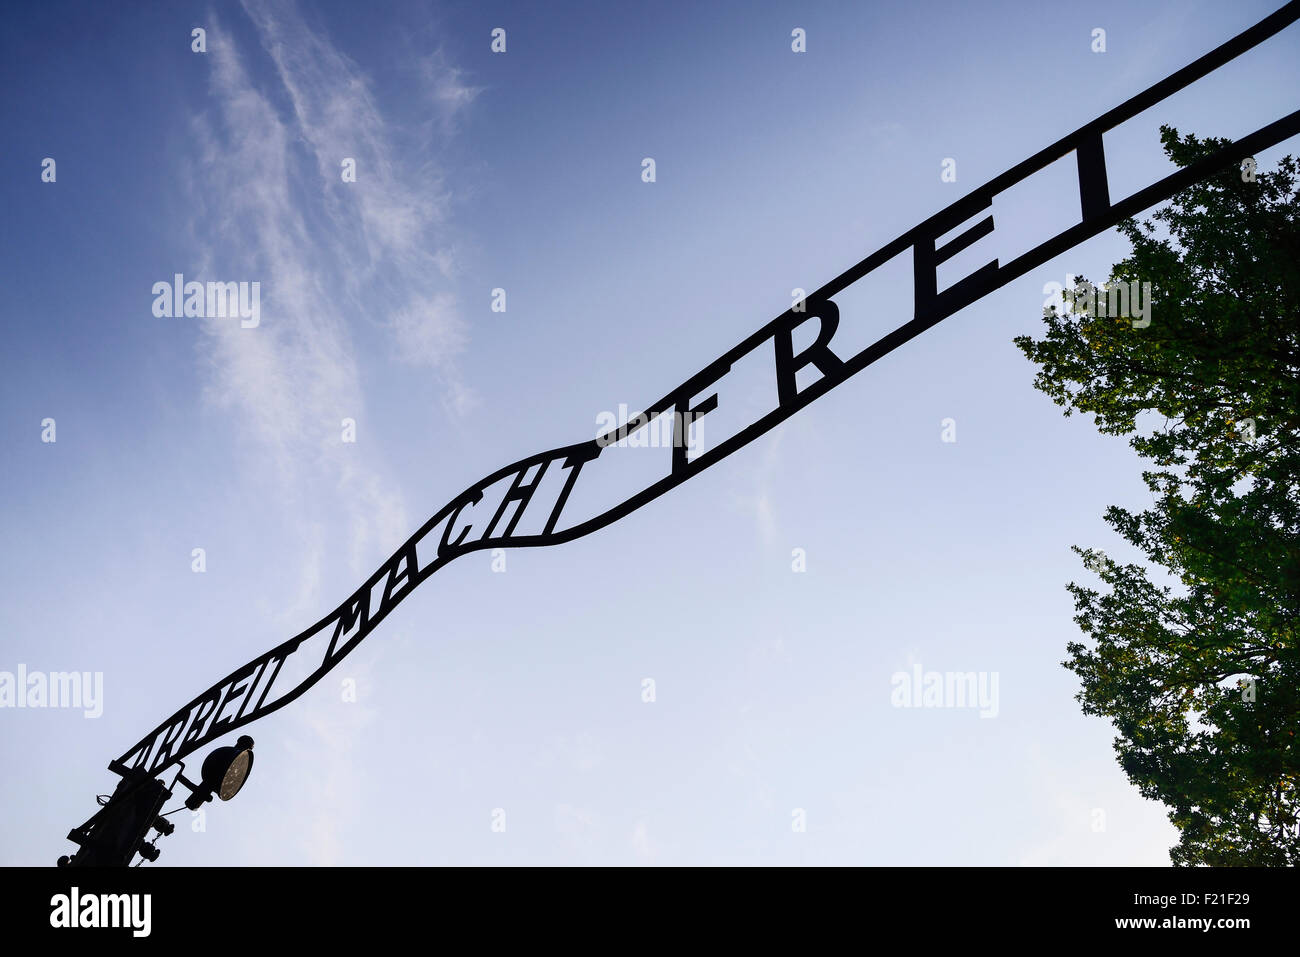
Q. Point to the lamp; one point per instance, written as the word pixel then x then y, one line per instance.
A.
pixel 224 772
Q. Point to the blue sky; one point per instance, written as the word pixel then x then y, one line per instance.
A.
pixel 521 170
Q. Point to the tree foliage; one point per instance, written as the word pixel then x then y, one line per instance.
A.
pixel 1193 654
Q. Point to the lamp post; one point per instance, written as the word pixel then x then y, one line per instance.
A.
pixel 117 831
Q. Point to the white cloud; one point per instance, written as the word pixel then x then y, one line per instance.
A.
pixel 447 87
pixel 642 846
pixel 270 206
pixel 759 500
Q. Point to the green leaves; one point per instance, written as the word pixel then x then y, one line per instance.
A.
pixel 1200 674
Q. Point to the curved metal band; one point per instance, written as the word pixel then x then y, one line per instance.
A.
pixel 229 704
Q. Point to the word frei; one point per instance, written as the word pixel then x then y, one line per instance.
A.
pixel 539 487
pixel 215 300
pixel 74 909
pixel 945 689
pixel 59 689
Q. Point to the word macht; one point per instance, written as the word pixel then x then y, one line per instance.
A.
pixel 216 300
pixel 103 910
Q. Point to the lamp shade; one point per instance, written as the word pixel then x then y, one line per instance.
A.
pixel 226 769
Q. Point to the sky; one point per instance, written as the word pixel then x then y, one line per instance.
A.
pixel 502 715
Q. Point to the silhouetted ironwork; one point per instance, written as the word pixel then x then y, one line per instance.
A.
pixel 246 694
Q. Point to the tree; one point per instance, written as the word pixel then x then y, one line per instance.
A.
pixel 1193 654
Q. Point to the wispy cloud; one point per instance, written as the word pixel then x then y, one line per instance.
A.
pixel 759 498
pixel 398 199
pixel 642 846
pixel 271 206
pixel 447 87
pixel 330 254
